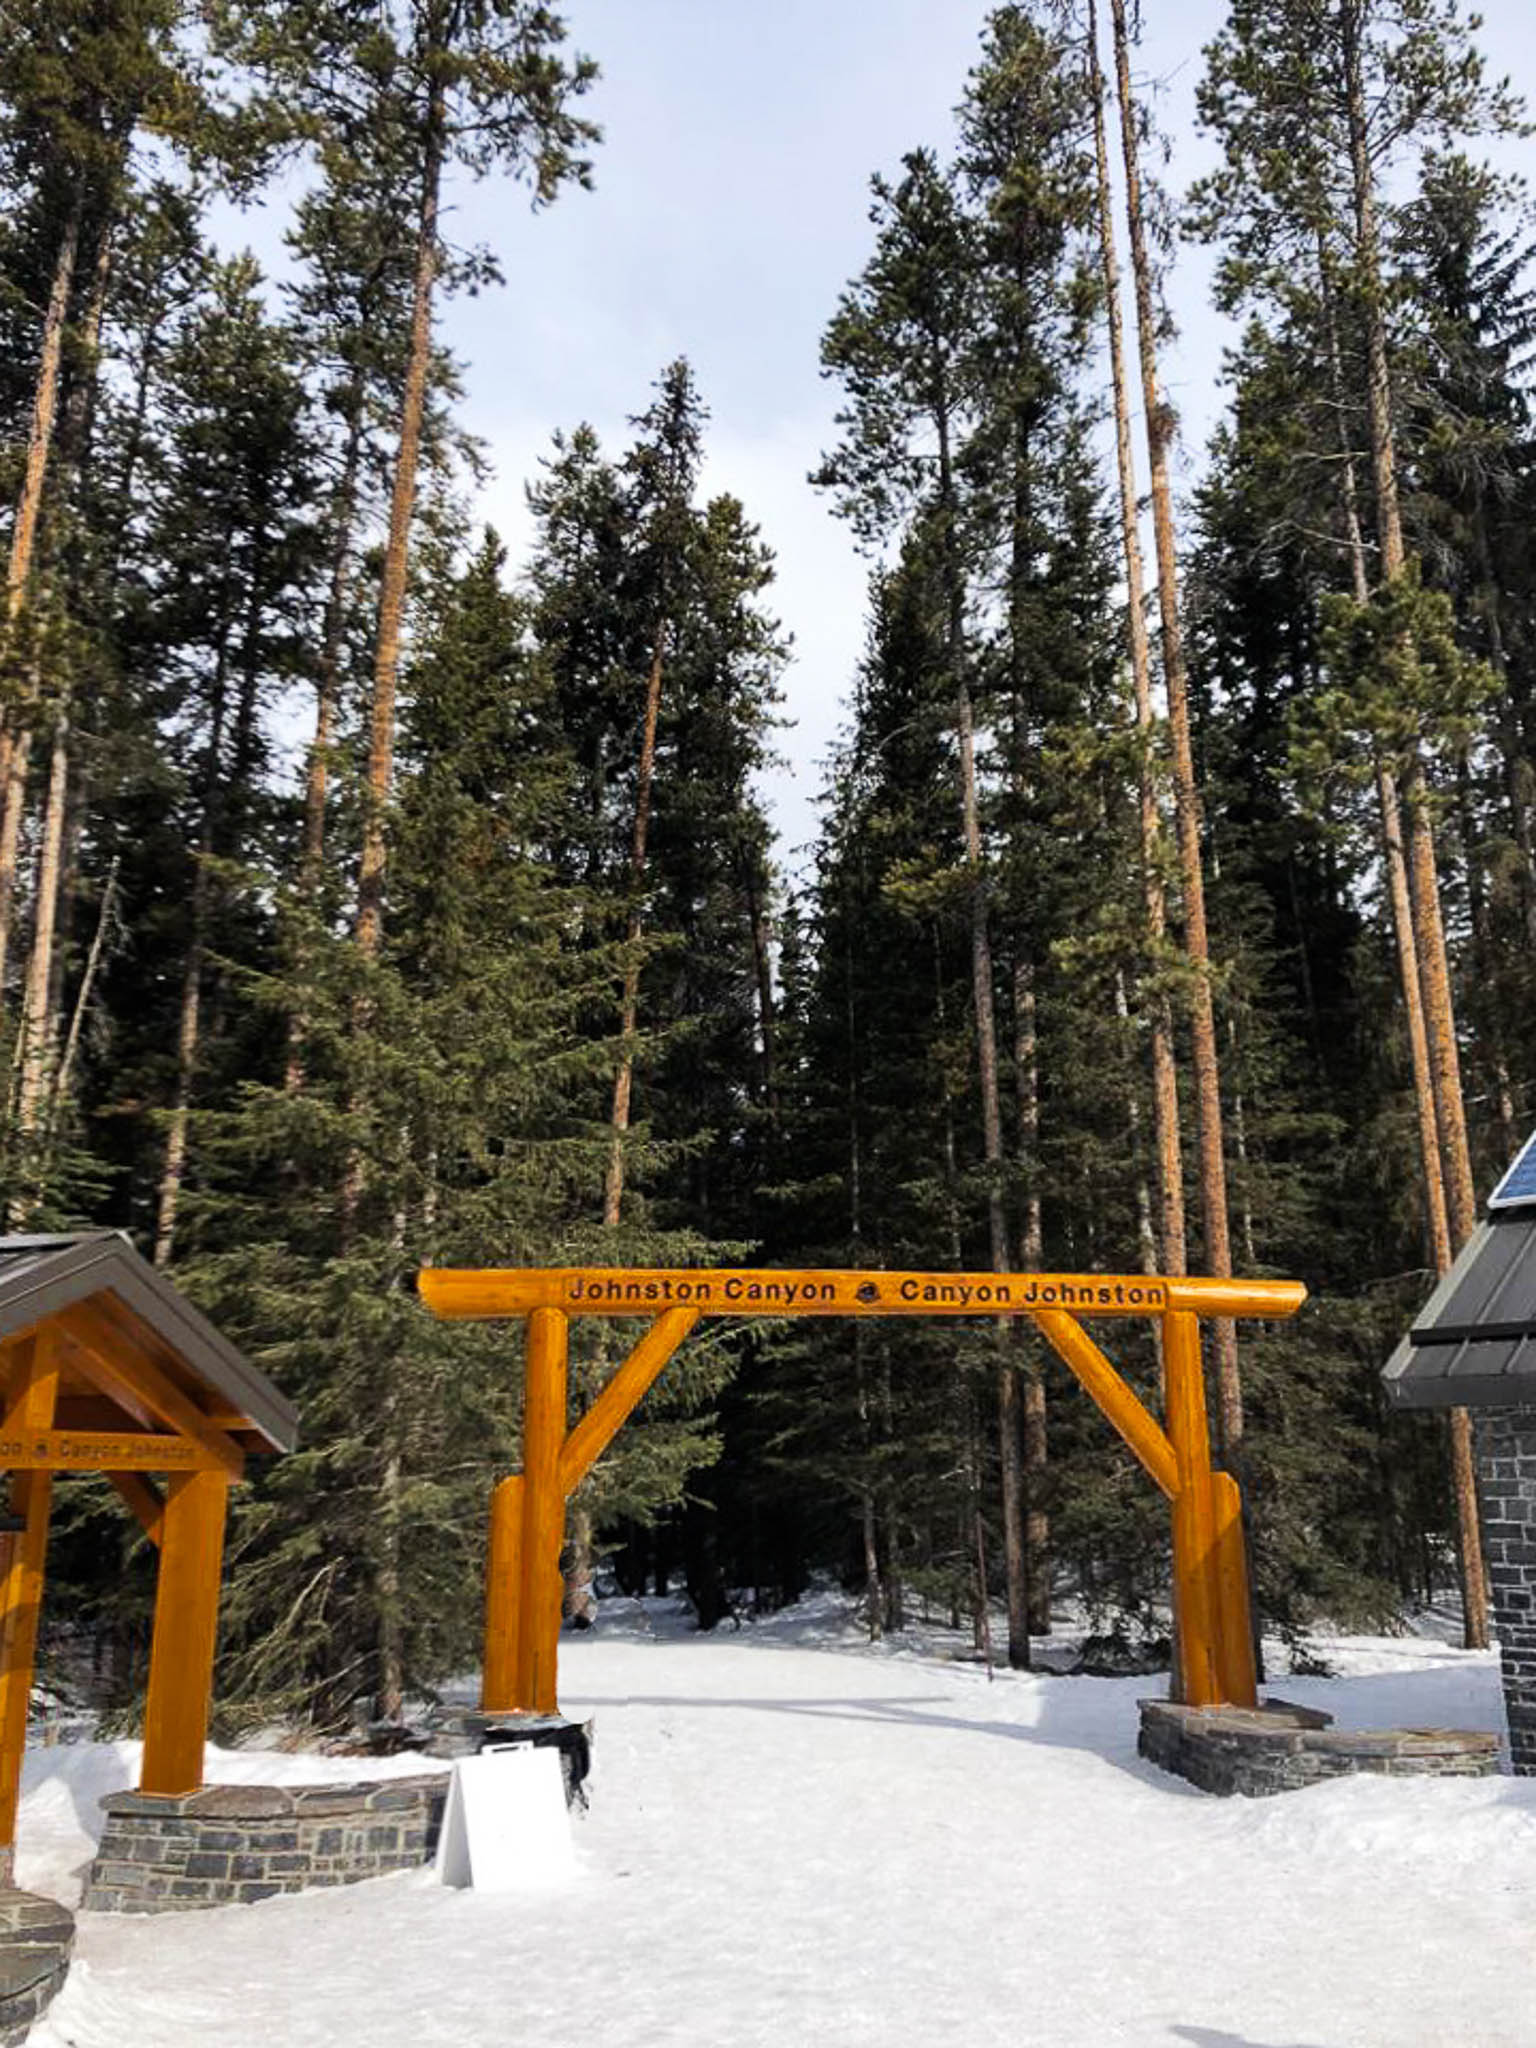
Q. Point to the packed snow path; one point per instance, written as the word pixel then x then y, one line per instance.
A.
pixel 797 1843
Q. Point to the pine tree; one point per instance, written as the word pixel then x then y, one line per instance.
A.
pixel 1378 79
pixel 230 614
pixel 1159 419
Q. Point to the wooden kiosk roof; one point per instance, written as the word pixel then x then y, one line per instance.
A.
pixel 96 1285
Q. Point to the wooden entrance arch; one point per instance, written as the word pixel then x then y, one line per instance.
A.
pixel 523 1583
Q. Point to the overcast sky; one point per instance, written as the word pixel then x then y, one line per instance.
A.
pixel 731 206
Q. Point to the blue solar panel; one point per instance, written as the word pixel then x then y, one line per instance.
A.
pixel 1518 1187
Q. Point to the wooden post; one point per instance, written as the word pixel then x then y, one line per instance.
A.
pixel 1194 1517
pixel 186 1626
pixel 538 1617
pixel 1234 1632
pixel 503 1576
pixel 30 1398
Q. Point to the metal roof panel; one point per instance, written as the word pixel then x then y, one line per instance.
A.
pixel 39 1276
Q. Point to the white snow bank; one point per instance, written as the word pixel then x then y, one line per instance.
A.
pixel 831 1848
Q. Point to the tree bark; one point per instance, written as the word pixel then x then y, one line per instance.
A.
pixel 1037 1522
pixel 1423 880
pixel 327 692
pixel 1009 1415
pixel 1171 1248
pixel 36 1027
pixel 65 1074
pixel 369 928
pixel 623 1080
pixel 190 1009
pixel 1159 417
pixel 763 968
pixel 328 674
pixel 15 727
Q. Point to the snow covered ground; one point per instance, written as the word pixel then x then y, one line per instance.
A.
pixel 800 1841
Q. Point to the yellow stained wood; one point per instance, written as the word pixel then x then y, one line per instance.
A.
pixel 503 1591
pixel 740 1291
pixel 147 1505
pixel 85 1450
pixel 539 1601
pixel 185 1631
pixel 528 1514
pixel 30 1398
pixel 107 1357
pixel 1114 1398
pixel 615 1404
pixel 1239 1677
pixel 1194 1531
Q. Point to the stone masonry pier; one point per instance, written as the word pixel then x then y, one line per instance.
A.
pixel 237 1843
pixel 1279 1748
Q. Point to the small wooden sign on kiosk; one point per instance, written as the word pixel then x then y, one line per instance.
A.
pixel 107 1368
pixel 523 1583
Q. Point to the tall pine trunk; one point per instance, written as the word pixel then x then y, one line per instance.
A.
pixel 1037 1523
pixel 37 1034
pixel 39 1030
pixel 1171 1251
pixel 105 913
pixel 189 1009
pixel 327 694
pixel 15 727
pixel 1009 1405
pixel 1159 418
pixel 1034 1420
pixel 369 927
pixel 1423 880
pixel 328 673
pixel 629 1010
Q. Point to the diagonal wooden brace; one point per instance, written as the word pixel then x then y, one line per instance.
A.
pixel 619 1398
pixel 1108 1390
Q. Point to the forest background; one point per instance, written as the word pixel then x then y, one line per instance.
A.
pixel 369 898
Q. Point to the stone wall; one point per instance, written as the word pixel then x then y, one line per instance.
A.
pixel 1506 1458
pixel 233 1843
pixel 1280 1749
pixel 36 1936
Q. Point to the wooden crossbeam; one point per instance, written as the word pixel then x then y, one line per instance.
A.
pixel 743 1291
pixel 98 1411
pixel 89 1450
pixel 138 1384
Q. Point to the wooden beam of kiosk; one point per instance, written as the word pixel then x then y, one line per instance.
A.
pixel 742 1291
pixel 147 1505
pixel 614 1405
pixel 89 1450
pixel 1115 1400
pixel 140 1385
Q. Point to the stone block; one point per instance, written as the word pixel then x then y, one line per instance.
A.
pixel 1239 1751
pixel 241 1843
pixel 240 1802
